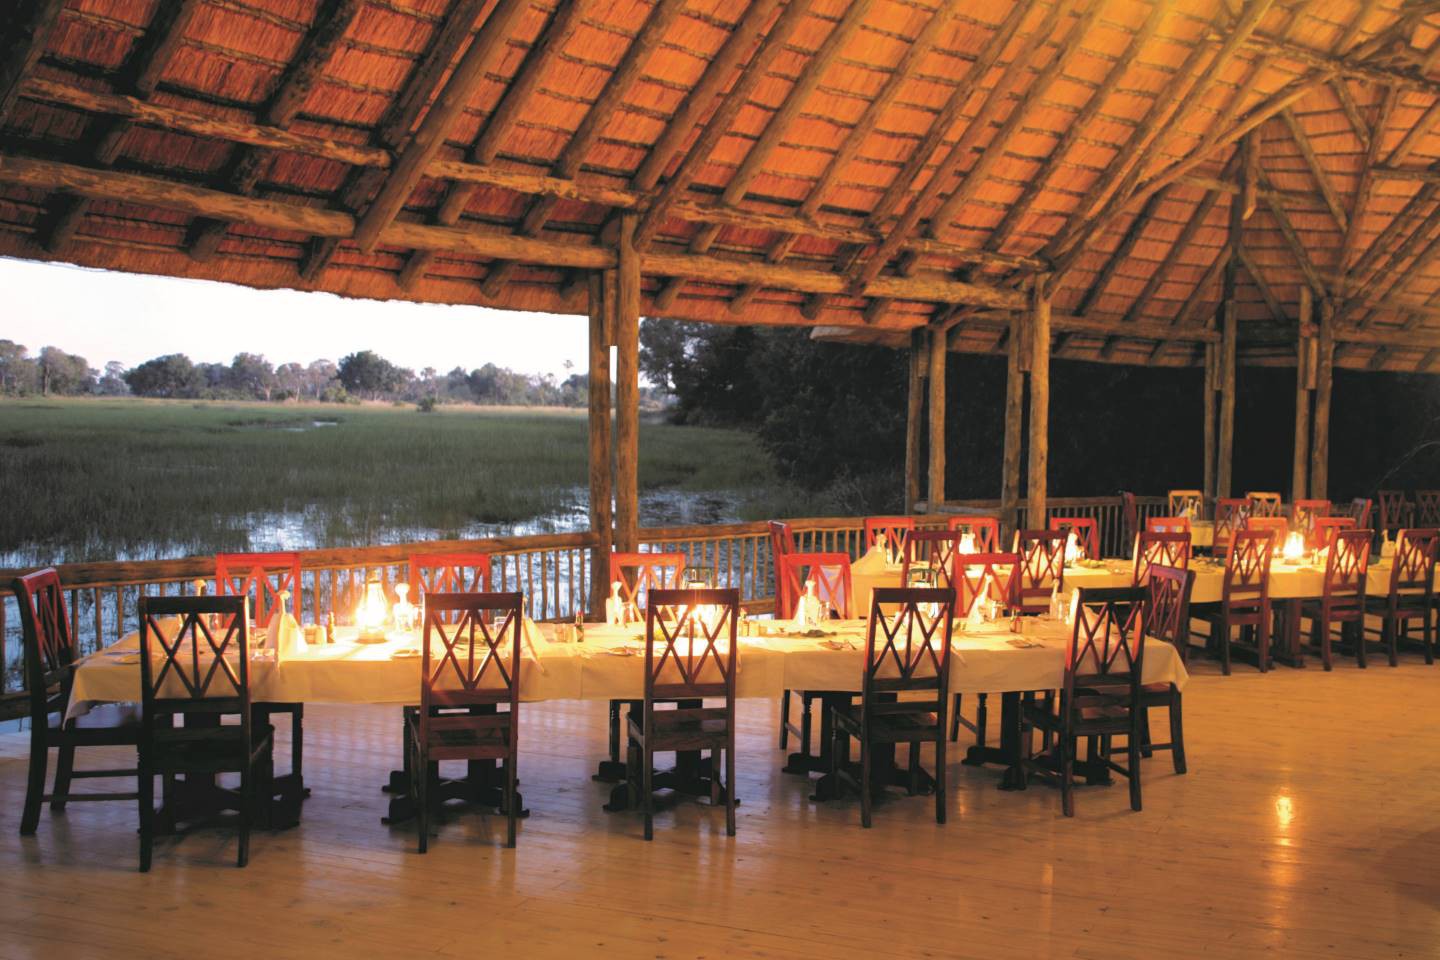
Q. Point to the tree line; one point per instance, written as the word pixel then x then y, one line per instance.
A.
pixel 363 375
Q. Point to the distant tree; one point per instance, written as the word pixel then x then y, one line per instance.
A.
pixel 18 373
pixel 251 376
pixel 320 375
pixel 214 380
pixel 64 373
pixel 172 375
pixel 112 381
pixel 368 374
pixel 710 370
pixel 290 380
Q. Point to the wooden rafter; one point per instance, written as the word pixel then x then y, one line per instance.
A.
pixel 1197 295
pixel 1358 125
pixel 1297 249
pixel 30 30
pixel 1172 256
pixel 1272 302
pixel 1367 181
pixel 1317 171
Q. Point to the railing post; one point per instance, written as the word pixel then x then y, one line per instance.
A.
pixel 600 486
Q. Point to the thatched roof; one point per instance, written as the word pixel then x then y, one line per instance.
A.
pixel 875 165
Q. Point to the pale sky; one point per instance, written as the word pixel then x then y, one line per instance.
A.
pixel 105 316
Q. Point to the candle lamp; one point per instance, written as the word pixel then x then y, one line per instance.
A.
pixel 1294 548
pixel 404 612
pixel 372 611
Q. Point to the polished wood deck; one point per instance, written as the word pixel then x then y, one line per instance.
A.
pixel 1308 826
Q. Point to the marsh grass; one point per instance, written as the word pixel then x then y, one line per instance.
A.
pixel 101 479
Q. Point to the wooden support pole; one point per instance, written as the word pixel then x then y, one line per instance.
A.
pixel 1224 457
pixel 1324 371
pixel 939 350
pixel 627 389
pixel 1301 463
pixel 1014 417
pixel 1212 383
pixel 914 409
pixel 1039 458
pixel 600 513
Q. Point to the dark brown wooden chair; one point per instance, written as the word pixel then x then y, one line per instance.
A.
pixel 470 669
pixel 992 576
pixel 831 573
pixel 1427 508
pixel 1230 514
pixel 1395 510
pixel 906 652
pixel 200 674
pixel 1411 595
pixel 1087 534
pixel 1304 513
pixel 691 654
pixel 1359 511
pixel 1101 694
pixel 985 530
pixel 1167 618
pixel 1042 569
pixel 1165 549
pixel 1343 601
pixel 50 660
pixel 261 577
pixel 895 529
pixel 1245 599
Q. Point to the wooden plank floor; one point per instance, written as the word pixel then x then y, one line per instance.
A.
pixel 1308 826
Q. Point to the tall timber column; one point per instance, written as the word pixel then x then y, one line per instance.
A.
pixel 627 389
pixel 1324 372
pixel 1225 454
pixel 1039 400
pixel 1304 383
pixel 914 411
pixel 602 313
pixel 935 489
pixel 1212 386
pixel 1016 363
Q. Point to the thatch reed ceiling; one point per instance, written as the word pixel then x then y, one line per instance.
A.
pixel 867 166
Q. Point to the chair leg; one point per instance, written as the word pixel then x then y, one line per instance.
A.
pixel 955 717
pixel 1133 761
pixel 940 779
pixel 1067 746
pixel 247 810
pixel 1323 629
pixel 647 773
pixel 1262 643
pixel 511 807
pixel 730 784
pixel 1394 645
pixel 864 780
pixel 806 729
pixel 422 800
pixel 1177 731
pixel 1360 653
pixel 147 815
pixel 1221 634
pixel 784 718
pixel 1145 741
pixel 1429 638
pixel 64 767
pixel 982 715
pixel 35 786
pixel 615 731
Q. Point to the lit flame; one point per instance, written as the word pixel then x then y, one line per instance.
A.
pixel 373 610
pixel 967 543
pixel 1072 549
pixel 1294 546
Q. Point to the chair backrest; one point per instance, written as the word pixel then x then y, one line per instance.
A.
pixel 1105 658
pixel 1427 508
pixel 1189 504
pixel 1359 511
pixel 448 573
pixel 1412 568
pixel 1164 549
pixel 1087 533
pixel 1042 568
pixel 261 577
pixel 991 575
pixel 1247 567
pixel 894 528
pixel 1392 509
pixel 470 654
pixel 1230 514
pixel 782 541
pixel 639 574
pixel 936 551
pixel 690 646
pixel 1167 604
pixel 1324 528
pixel 1347 564
pixel 1278 525
pixel 986 531
pixel 204 665
pixel 1129 513
pixel 49 644
pixel 1167 524
pixel 1303 514
pixel 909 648
pixel 831 573
pixel 1264 503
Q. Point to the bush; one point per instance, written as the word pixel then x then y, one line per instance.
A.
pixel 426 405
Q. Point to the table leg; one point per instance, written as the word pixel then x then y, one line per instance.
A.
pixel 1289 650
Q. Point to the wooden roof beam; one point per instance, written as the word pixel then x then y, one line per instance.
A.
pixel 1272 302
pixel 1358 124
pixel 1317 171
pixel 1367 180
pixel 481 58
pixel 1197 295
pixel 30 28
pixel 1297 249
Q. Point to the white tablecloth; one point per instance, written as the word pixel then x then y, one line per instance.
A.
pixel 1287 581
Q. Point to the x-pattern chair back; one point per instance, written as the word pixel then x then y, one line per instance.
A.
pixel 1107 647
pixel 1359 511
pixel 1167 525
pixel 1276 525
pixel 195 663
pixel 1247 568
pixel 1412 568
pixel 1392 509
pixel 908 648
pixel 992 576
pixel 1167 599
pixel 1323 529
pixel 1230 515
pixel 895 529
pixel 1042 567
pixel 934 550
pixel 1304 513
pixel 1347 564
pixel 448 573
pixel 1186 503
pixel 985 530
pixel 261 577
pixel 471 649
pixel 1163 549
pixel 641 574
pixel 1087 533
pixel 831 573
pixel 49 644
pixel 1427 508
pixel 1264 503
pixel 690 645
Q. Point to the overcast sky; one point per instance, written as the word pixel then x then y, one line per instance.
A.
pixel 107 316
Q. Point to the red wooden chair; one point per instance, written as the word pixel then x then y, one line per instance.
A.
pixel 1167 524
pixel 1395 510
pixel 986 531
pixel 1427 508
pixel 1245 598
pixel 469 670
pixel 1411 595
pixel 894 528
pixel 1324 529
pixel 990 575
pixel 690 655
pixel 261 577
pixel 1230 515
pixel 203 672
pixel 1167 618
pixel 1264 503
pixel 1187 504
pixel 466 572
pixel 1042 569
pixel 1087 534
pixel 907 652
pixel 1100 697
pixel 933 551
pixel 1343 601
pixel 1359 511
pixel 50 659
pixel 1276 525
pixel 1164 549
pixel 1304 513
pixel 831 573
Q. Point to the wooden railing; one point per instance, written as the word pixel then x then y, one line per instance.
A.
pixel 552 570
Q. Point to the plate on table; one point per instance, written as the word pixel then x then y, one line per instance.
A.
pixel 121 656
pixel 406 653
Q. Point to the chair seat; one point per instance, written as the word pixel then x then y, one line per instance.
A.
pixel 106 724
pixel 208 749
pixel 696 729
pixel 1408 606
pixel 1092 721
pixel 890 727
